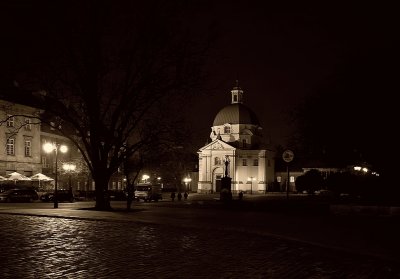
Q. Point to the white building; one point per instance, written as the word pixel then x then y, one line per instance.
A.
pixel 236 136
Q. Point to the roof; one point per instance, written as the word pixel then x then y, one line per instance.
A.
pixel 236 113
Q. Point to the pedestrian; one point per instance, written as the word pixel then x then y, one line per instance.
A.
pixel 179 196
pixel 240 195
pixel 185 195
pixel 173 196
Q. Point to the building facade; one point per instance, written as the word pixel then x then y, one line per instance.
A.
pixel 236 149
pixel 20 148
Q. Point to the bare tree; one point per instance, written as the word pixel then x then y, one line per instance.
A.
pixel 116 74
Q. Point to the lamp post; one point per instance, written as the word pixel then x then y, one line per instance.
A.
pixel 55 147
pixel 69 168
pixel 251 178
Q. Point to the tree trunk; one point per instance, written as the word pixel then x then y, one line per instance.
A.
pixel 102 196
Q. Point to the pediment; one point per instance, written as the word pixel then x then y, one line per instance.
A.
pixel 217 145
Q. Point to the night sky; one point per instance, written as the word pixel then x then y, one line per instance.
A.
pixel 280 53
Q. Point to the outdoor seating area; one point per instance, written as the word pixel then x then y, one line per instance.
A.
pixel 39 182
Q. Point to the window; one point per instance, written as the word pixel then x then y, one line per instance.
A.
pixel 227 130
pixel 28 125
pixel 292 179
pixel 11 147
pixel 278 179
pixel 45 164
pixel 244 162
pixel 235 98
pixel 28 148
pixel 255 162
pixel 217 161
pixel 244 143
pixel 10 121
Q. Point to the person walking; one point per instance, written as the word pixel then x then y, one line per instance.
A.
pixel 185 195
pixel 172 196
pixel 179 196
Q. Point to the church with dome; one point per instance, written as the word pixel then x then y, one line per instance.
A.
pixel 236 150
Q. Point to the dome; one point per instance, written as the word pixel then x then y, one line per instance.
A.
pixel 236 113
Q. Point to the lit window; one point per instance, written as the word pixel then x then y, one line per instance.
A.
pixel 28 125
pixel 28 148
pixel 227 130
pixel 255 162
pixel 244 162
pixel 292 179
pixel 279 179
pixel 11 147
pixel 10 121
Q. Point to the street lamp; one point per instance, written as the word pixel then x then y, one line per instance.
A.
pixel 187 181
pixel 251 178
pixel 69 168
pixel 55 147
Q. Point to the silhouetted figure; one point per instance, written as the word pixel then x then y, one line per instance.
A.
pixel 185 195
pixel 240 195
pixel 179 196
pixel 173 196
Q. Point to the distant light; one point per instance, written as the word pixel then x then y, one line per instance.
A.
pixel 357 168
pixel 365 169
pixel 145 176
pixel 63 148
pixel 48 147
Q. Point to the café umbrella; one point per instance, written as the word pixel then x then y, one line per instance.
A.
pixel 16 176
pixel 41 177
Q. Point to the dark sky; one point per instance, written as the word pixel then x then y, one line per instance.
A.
pixel 283 52
pixel 280 53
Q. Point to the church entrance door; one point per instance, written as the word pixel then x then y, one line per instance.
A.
pixel 218 183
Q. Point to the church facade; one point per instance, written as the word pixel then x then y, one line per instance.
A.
pixel 236 150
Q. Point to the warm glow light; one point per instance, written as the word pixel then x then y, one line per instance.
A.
pixel 69 167
pixel 357 168
pixel 48 147
pixel 145 176
pixel 365 169
pixel 187 179
pixel 63 148
pixel 158 178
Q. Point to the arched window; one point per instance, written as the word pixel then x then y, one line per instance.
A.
pixel 227 130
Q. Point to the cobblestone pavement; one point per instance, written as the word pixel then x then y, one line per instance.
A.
pixel 71 243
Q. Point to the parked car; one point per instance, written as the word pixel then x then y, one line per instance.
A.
pixel 62 196
pixel 19 195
